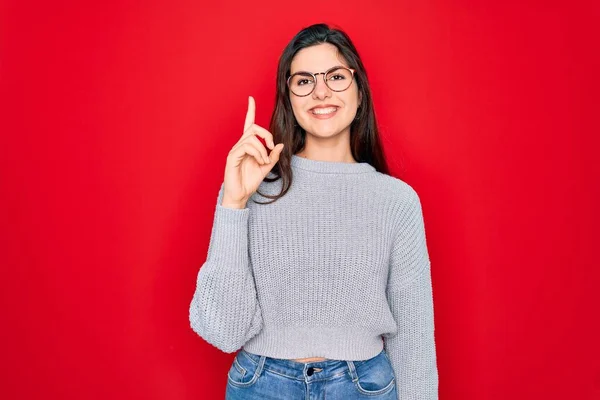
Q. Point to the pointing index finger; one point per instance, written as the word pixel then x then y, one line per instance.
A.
pixel 250 113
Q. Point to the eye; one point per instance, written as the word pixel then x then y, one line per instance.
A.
pixel 337 77
pixel 303 81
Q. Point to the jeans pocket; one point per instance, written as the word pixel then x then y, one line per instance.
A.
pixel 245 369
pixel 375 377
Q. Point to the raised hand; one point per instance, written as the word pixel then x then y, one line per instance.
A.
pixel 248 162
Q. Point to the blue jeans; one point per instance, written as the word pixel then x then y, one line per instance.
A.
pixel 256 377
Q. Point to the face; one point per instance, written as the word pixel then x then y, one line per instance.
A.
pixel 315 59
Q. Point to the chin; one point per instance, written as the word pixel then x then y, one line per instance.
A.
pixel 324 132
pixel 325 129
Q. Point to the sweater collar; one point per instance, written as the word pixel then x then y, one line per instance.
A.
pixel 330 167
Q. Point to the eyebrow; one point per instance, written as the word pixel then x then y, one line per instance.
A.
pixel 307 72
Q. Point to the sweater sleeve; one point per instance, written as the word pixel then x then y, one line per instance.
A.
pixel 412 349
pixel 224 310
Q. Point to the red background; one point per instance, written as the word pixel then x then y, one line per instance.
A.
pixel 115 122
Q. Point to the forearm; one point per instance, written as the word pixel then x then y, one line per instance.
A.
pixel 224 309
pixel 412 349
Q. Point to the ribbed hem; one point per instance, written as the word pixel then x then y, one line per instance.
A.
pixel 335 343
pixel 331 167
pixel 232 215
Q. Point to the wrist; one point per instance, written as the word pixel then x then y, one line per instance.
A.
pixel 232 204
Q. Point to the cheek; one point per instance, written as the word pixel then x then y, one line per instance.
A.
pixel 351 99
pixel 297 108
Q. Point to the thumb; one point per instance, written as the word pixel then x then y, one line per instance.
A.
pixel 274 155
pixel 276 152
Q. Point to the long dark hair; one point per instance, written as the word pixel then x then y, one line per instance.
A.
pixel 365 143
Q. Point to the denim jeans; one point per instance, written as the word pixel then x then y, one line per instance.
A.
pixel 256 377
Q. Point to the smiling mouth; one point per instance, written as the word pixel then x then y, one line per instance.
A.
pixel 324 111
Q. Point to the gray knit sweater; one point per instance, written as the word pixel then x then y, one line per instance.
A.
pixel 337 268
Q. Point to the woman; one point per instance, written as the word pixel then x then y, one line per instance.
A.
pixel 326 287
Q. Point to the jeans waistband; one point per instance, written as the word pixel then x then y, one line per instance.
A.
pixel 305 371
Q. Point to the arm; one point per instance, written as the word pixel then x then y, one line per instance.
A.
pixel 409 293
pixel 224 309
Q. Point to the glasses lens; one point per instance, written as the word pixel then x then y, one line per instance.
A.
pixel 339 79
pixel 301 84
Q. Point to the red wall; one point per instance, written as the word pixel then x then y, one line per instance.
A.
pixel 115 122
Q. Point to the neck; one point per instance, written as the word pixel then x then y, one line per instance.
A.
pixel 347 158
pixel 331 167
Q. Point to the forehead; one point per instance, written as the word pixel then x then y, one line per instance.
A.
pixel 317 58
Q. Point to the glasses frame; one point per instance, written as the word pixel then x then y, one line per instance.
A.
pixel 314 76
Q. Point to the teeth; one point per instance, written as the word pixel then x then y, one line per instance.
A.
pixel 324 110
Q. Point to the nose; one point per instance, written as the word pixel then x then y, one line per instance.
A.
pixel 321 91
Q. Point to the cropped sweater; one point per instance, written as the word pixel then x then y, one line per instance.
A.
pixel 337 268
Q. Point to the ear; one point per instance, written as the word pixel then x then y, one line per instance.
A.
pixel 359 98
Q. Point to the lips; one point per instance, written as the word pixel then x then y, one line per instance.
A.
pixel 322 107
pixel 323 110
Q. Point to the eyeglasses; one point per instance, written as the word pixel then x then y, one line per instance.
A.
pixel 337 79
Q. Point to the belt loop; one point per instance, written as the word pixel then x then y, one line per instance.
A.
pixel 261 364
pixel 352 370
